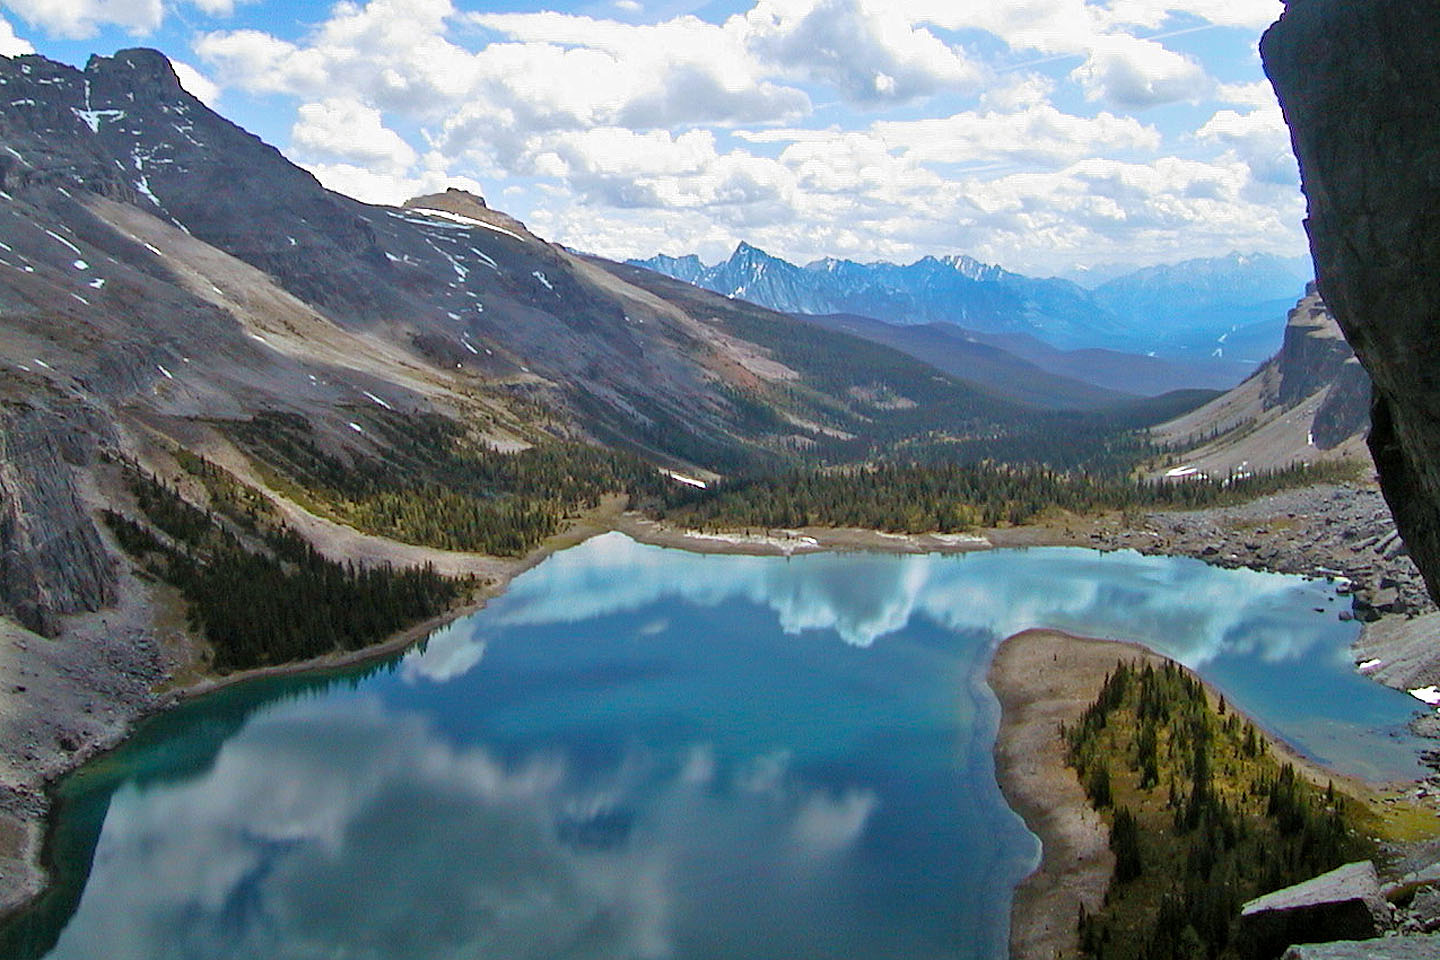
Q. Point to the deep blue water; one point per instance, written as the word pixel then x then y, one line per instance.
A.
pixel 643 753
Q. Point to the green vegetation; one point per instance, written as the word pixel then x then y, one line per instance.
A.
pixel 268 598
pixel 239 502
pixel 1202 817
pixel 433 487
pixel 948 497
pixel 422 479
pixel 879 403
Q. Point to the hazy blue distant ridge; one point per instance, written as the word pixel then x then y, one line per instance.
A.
pixel 1191 309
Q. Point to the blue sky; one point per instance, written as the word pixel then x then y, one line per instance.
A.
pixel 1044 135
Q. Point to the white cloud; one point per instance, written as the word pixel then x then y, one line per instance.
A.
pixel 569 70
pixel 1171 208
pixel 628 6
pixel 347 131
pixel 10 44
pixel 1136 73
pixel 373 186
pixel 1258 137
pixel 196 83
pixel 690 135
pixel 1126 70
pixel 866 49
pixel 1037 134
pixel 81 18
pixel 1018 90
pixel 1258 93
pixel 1249 14
pixel 261 63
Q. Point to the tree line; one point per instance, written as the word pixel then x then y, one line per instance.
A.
pixel 271 598
pixel 948 497
pixel 1202 817
pixel 431 485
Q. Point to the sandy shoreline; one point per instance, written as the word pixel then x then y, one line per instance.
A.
pixel 1044 678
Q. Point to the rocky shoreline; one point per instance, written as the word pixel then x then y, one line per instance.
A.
pixel 1342 532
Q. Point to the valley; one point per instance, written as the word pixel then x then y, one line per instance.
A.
pixel 255 430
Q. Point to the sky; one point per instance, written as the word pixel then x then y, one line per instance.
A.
pixel 1044 135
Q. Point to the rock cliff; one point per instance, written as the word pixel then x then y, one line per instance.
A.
pixel 51 558
pixel 1314 358
pixel 1360 88
pixel 1309 402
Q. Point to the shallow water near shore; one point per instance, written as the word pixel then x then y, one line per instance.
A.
pixel 641 752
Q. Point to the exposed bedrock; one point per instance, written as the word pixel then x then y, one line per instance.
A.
pixel 52 560
pixel 1360 87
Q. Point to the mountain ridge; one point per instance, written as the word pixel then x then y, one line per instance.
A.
pixel 166 276
pixel 1134 313
pixel 1308 403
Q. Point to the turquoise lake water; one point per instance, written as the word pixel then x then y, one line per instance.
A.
pixel 646 753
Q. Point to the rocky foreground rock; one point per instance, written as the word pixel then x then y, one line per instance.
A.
pixel 1359 84
pixel 1395 948
pixel 1344 904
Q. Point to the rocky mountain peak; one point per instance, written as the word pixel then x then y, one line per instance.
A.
pixel 967 266
pixel 138 72
pixel 748 253
pixel 452 200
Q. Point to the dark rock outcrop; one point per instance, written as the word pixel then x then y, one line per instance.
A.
pixel 1315 357
pixel 1344 904
pixel 1360 88
pixel 1391 948
pixel 52 560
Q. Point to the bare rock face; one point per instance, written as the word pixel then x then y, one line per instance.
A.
pixel 1391 948
pixel 1315 357
pixel 1360 87
pixel 52 560
pixel 1344 904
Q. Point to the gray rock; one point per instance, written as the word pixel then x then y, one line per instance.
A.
pixel 52 560
pixel 1424 909
pixel 1422 947
pixel 1344 904
pixel 1359 85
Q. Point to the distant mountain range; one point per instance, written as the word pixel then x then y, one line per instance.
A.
pixel 1221 313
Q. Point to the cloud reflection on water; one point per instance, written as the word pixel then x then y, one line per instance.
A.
pixel 329 823
pixel 1185 608
pixel 344 824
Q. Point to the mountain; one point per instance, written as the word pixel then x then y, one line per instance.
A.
pixel 1309 402
pixel 1216 318
pixel 1223 307
pixel 957 290
pixel 1130 373
pixel 170 286
pixel 953 350
pixel 1019 367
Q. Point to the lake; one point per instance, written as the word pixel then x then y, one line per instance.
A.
pixel 646 753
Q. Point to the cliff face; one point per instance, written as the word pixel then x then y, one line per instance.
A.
pixel 1314 358
pixel 51 558
pixel 1309 402
pixel 1360 87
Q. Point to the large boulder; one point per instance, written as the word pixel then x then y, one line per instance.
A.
pixel 1344 904
pixel 1359 84
pixel 1425 947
